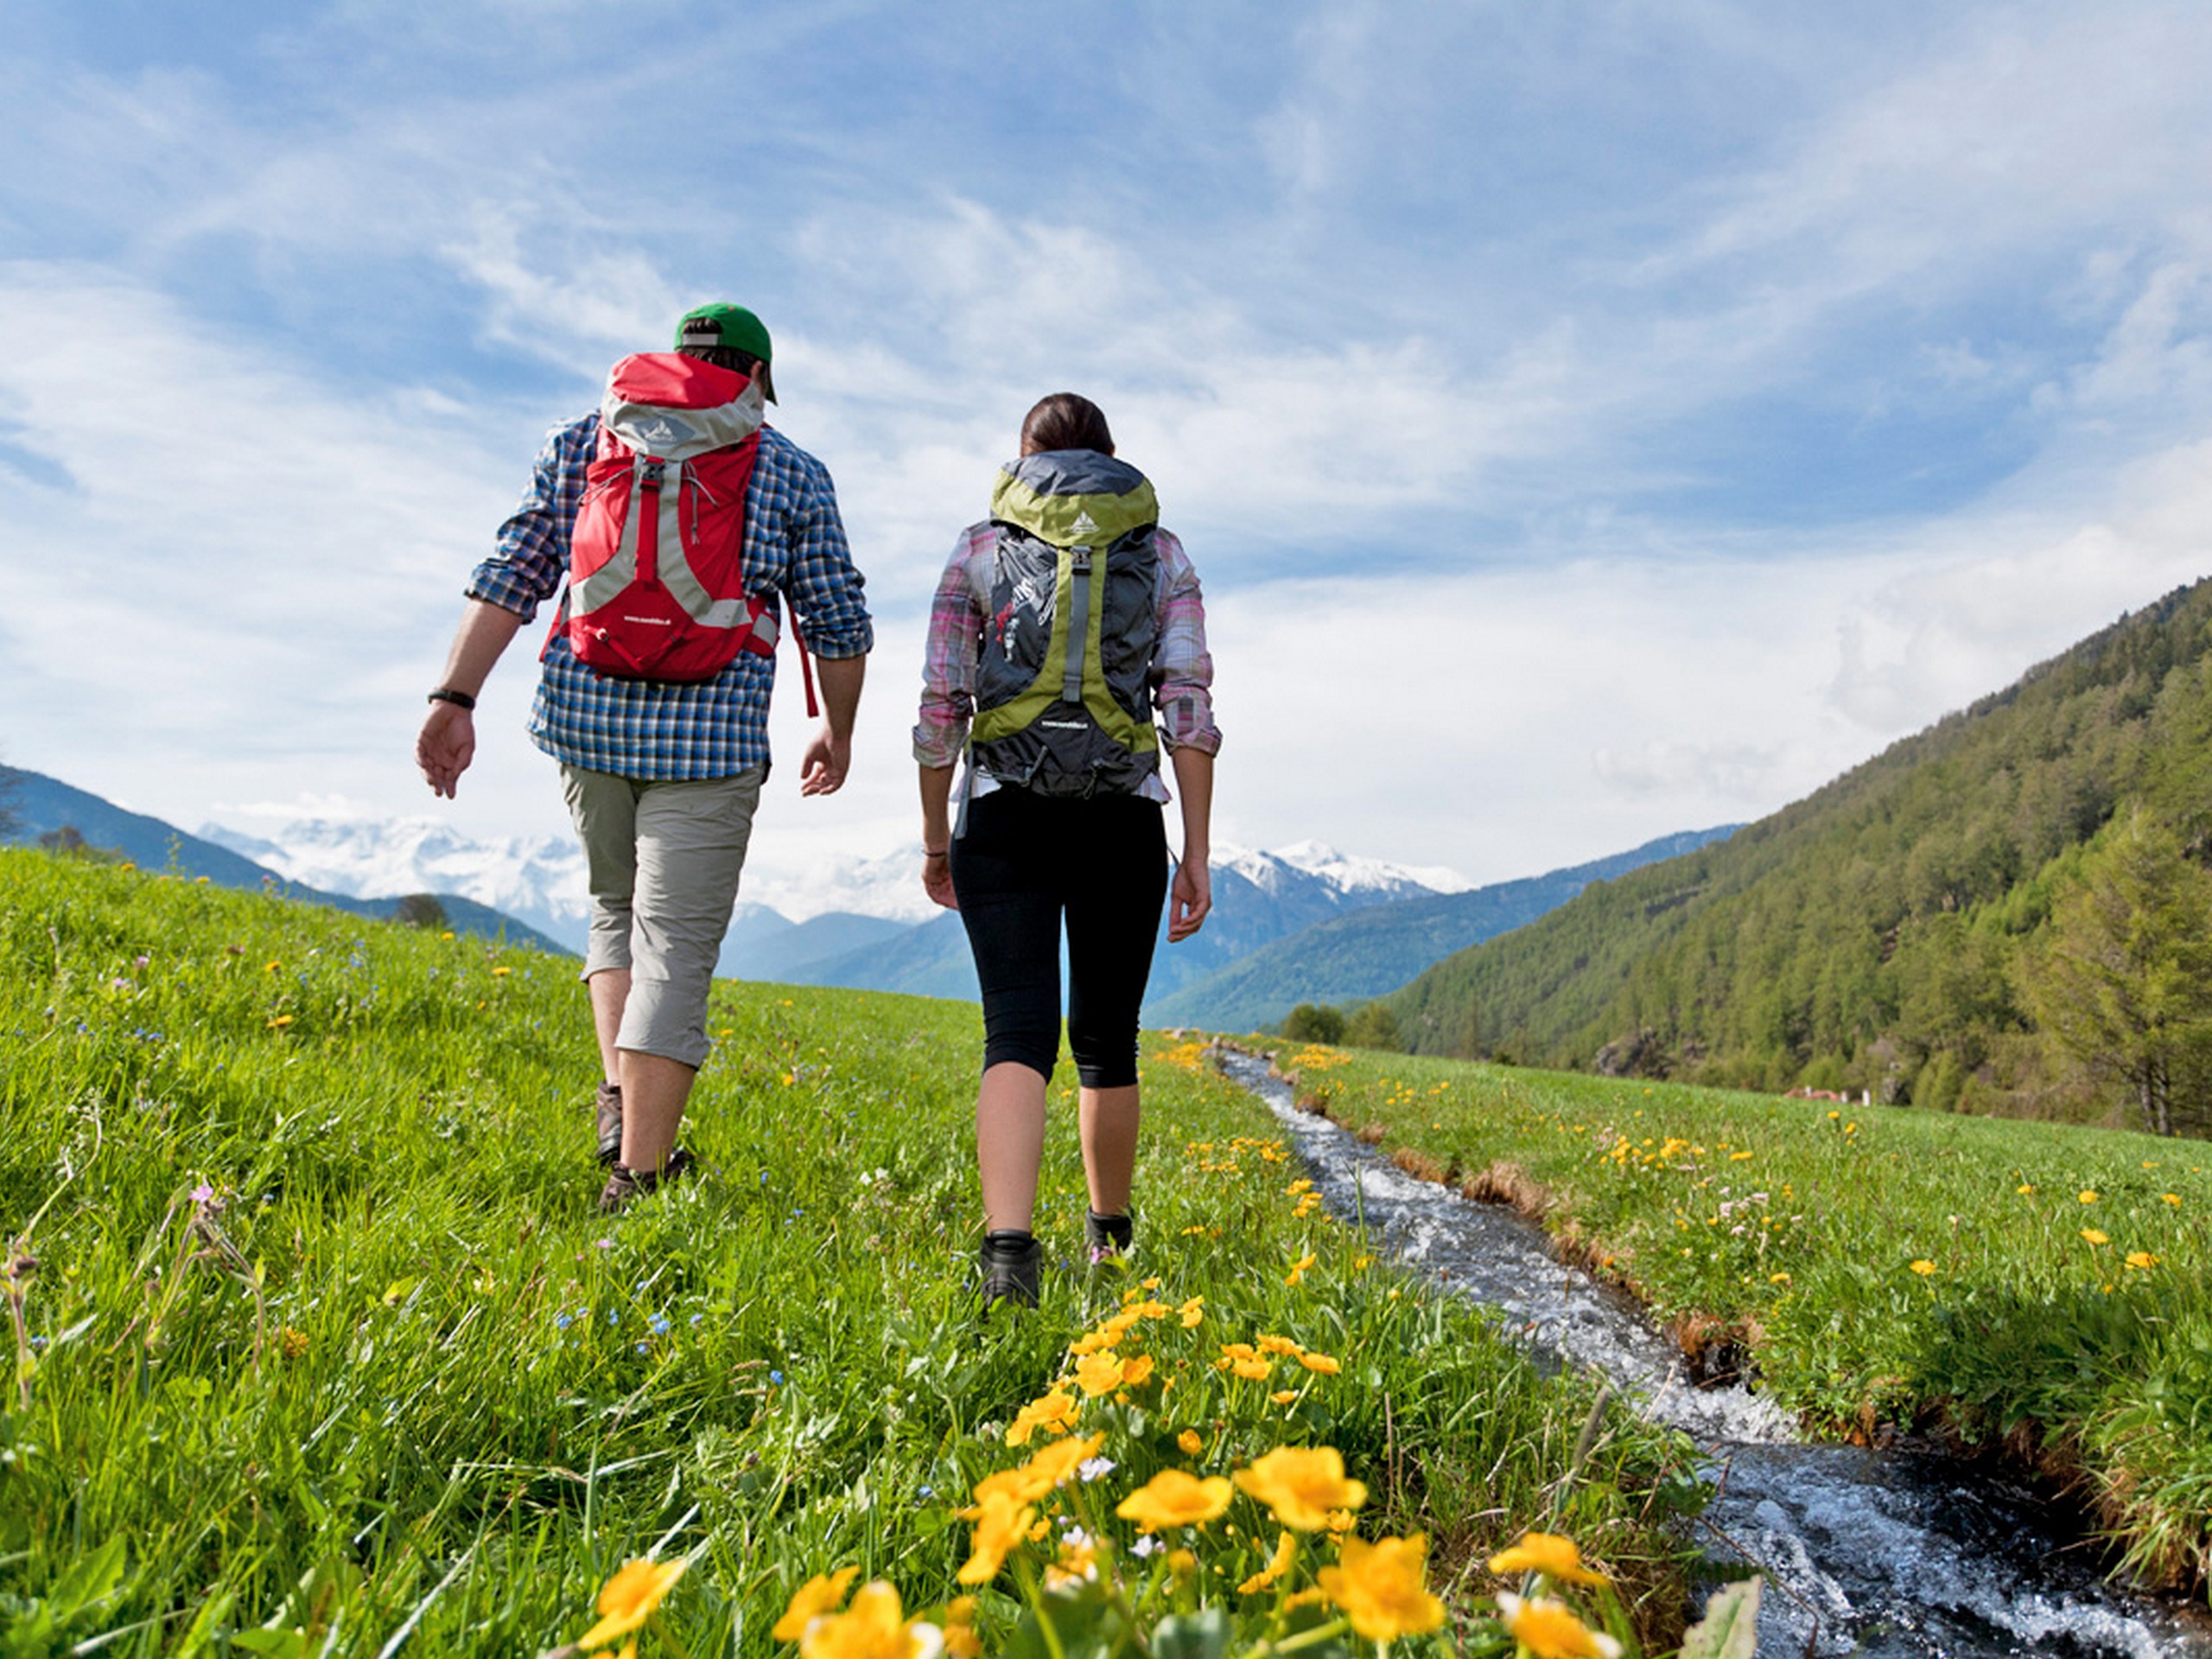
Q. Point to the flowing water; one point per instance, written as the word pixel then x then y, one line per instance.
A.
pixel 1893 1555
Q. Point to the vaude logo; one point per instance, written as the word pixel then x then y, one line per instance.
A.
pixel 650 621
pixel 1084 523
pixel 658 430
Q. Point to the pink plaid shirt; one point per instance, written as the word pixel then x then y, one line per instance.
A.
pixel 1182 671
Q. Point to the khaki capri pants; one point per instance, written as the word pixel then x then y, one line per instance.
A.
pixel 662 861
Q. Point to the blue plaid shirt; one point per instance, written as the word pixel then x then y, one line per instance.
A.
pixel 648 729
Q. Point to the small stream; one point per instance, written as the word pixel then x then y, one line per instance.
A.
pixel 1891 1553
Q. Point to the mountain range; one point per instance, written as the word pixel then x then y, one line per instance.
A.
pixel 1301 923
pixel 1357 957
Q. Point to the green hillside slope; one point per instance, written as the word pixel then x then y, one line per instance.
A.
pixel 41 805
pixel 1898 931
pixel 318 1346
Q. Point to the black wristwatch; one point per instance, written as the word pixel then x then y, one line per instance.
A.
pixel 459 699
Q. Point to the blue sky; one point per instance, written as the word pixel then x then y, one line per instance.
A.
pixel 1591 421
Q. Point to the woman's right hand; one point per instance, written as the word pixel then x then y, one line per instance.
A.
pixel 937 879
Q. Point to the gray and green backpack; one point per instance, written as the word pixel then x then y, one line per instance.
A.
pixel 1063 698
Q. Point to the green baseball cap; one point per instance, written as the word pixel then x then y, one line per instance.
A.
pixel 732 326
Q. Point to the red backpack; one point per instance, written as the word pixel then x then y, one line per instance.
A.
pixel 656 576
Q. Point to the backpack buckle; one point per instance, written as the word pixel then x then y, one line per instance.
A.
pixel 650 469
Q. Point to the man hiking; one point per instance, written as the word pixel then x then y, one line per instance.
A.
pixel 678 519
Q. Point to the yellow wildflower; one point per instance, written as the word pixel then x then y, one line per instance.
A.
pixel 1175 1498
pixel 1193 1312
pixel 1278 1564
pixel 1302 1485
pixel 1182 1563
pixel 1297 1268
pixel 823 1593
pixel 1055 1410
pixel 1048 1469
pixel 2173 1198
pixel 960 1639
pixel 1283 1397
pixel 1923 1267
pixel 1278 1345
pixel 874 1627
pixel 2088 1195
pixel 1099 1373
pixel 1000 1525
pixel 1550 1630
pixel 1380 1587
pixel 2093 1236
pixel 2024 1188
pixel 1191 1442
pixel 1078 1562
pixel 2141 1259
pixel 630 1598
pixel 1341 1521
pixel 1138 1371
pixel 280 1022
pixel 1545 1553
pixel 1253 1370
pixel 501 973
pixel 1325 1364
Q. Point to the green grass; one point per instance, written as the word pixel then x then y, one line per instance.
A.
pixel 1884 1267
pixel 395 1376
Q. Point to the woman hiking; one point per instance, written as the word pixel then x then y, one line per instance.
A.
pixel 1064 624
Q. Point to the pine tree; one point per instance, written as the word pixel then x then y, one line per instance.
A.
pixel 2125 979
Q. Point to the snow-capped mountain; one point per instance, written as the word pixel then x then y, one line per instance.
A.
pixel 1274 872
pixel 538 880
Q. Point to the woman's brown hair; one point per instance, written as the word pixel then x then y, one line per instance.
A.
pixel 1065 421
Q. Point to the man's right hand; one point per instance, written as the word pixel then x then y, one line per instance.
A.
pixel 445 746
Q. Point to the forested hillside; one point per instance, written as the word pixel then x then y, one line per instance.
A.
pixel 2010 912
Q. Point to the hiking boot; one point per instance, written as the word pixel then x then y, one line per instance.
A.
pixel 624 1185
pixel 608 1108
pixel 1109 1236
pixel 1012 1268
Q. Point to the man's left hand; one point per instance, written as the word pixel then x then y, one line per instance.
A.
pixel 822 769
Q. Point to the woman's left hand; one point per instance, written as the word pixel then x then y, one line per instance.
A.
pixel 1189 899
pixel 937 880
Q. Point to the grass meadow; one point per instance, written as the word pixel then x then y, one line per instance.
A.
pixel 2026 1285
pixel 318 1346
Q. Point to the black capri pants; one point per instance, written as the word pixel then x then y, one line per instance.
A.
pixel 1026 861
